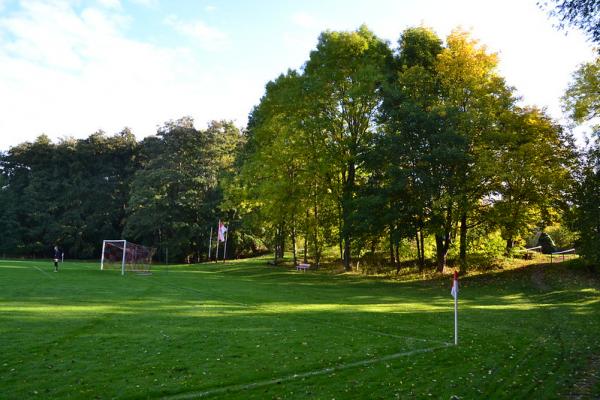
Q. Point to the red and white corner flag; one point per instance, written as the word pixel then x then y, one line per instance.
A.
pixel 454 293
pixel 221 231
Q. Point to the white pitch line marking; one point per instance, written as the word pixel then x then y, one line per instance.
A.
pixel 237 388
pixel 43 272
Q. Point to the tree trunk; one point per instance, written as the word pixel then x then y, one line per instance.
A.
pixel 440 252
pixel 276 246
pixel 347 258
pixel 422 249
pixel 509 245
pixel 306 239
pixel 348 190
pixel 294 246
pixel 392 258
pixel 282 248
pixel 463 241
pixel 421 266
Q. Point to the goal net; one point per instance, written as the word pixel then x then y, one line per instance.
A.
pixel 126 256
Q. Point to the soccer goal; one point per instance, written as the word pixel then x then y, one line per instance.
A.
pixel 126 256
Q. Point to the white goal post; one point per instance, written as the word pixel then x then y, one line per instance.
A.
pixel 126 256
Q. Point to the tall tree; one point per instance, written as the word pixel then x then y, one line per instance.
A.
pixel 72 193
pixel 275 165
pixel 582 103
pixel 535 160
pixel 474 97
pixel 406 154
pixel 344 77
pixel 585 216
pixel 174 197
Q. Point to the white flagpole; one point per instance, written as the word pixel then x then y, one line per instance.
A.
pixel 225 247
pixel 209 243
pixel 217 251
pixel 455 292
pixel 456 320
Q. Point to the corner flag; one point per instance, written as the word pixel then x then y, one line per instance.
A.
pixel 454 291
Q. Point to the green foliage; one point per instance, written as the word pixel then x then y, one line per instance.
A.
pixel 564 238
pixel 486 244
pixel 72 194
pixel 302 164
pixel 582 98
pixel 175 196
pixel 533 165
pixel 582 101
pixel 585 216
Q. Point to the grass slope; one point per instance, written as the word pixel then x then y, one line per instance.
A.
pixel 245 330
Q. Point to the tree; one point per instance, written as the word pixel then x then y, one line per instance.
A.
pixel 406 153
pixel 582 14
pixel 175 196
pixel 474 98
pixel 582 99
pixel 582 102
pixel 275 168
pixel 585 216
pixel 72 193
pixel 535 160
pixel 344 77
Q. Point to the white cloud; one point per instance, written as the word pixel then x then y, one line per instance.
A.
pixel 210 8
pixel 65 73
pixel 207 37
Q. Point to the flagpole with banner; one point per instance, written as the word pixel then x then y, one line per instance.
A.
pixel 210 243
pixel 222 237
pixel 454 293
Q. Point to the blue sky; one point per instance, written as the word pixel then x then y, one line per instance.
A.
pixel 73 67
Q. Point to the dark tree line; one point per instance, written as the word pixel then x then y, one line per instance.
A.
pixel 163 191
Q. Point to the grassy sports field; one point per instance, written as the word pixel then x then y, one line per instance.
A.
pixel 247 330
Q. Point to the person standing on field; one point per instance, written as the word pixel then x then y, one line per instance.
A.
pixel 56 258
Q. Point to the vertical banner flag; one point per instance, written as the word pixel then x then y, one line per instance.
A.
pixel 221 231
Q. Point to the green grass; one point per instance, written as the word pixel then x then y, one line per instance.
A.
pixel 246 330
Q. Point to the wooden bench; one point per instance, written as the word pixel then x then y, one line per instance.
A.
pixel 302 267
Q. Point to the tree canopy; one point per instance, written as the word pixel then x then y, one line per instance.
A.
pixel 367 148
